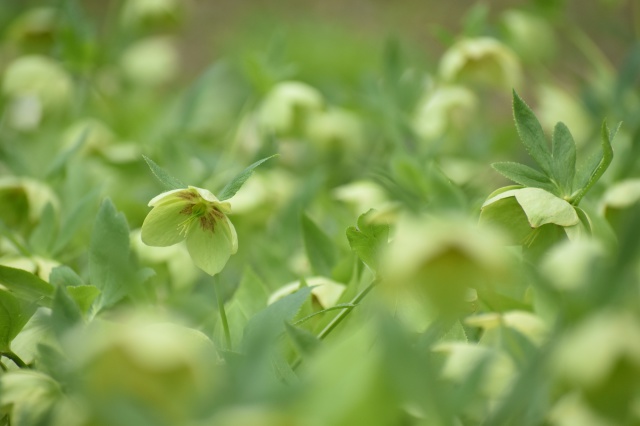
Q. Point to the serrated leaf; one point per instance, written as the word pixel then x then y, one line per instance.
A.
pixel 167 181
pixel 563 151
pixel 524 175
pixel 236 183
pixel 268 324
pixel 305 342
pixel 367 239
pixel 321 251
pixel 14 314
pixel 531 134
pixel 109 263
pixel 26 285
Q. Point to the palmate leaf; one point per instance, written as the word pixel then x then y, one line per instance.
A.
pixel 531 134
pixel 236 183
pixel 563 151
pixel 524 175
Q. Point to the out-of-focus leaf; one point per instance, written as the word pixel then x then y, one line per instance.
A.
pixel 368 238
pixel 14 314
pixel 236 183
pixel 43 235
pixel 321 251
pixel 168 181
pixel 65 313
pixel 26 285
pixel 109 263
pixel 305 342
pixel 63 275
pixel 267 324
pixel 79 215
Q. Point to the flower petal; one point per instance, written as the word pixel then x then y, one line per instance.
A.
pixel 161 227
pixel 165 197
pixel 210 249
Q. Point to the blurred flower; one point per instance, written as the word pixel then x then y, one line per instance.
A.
pixel 286 108
pixel 439 260
pixel 556 104
pixel 464 358
pixel 38 265
pixel 573 410
pixel 16 191
pixel 325 291
pixel 182 272
pixel 151 61
pixel 35 26
pixel 150 12
pixel 196 215
pixel 444 108
pixel 153 365
pixel 568 264
pixel 530 36
pixel 335 129
pixel 607 337
pixel 526 323
pixel 362 196
pixel 33 84
pixel 482 60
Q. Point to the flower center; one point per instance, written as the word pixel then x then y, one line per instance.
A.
pixel 204 212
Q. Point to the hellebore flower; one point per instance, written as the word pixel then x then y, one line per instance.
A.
pixel 197 216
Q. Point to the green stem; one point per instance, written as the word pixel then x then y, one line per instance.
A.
pixel 223 315
pixel 340 317
pixel 343 314
pixel 15 358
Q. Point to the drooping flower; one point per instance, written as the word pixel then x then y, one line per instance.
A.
pixel 197 216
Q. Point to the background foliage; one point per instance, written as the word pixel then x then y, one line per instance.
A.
pixel 381 276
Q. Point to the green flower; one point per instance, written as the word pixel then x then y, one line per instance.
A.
pixel 196 215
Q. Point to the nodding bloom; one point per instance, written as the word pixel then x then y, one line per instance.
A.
pixel 197 216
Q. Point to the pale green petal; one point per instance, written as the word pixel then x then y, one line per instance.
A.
pixel 542 207
pixel 233 236
pixel 205 193
pixel 161 227
pixel 209 249
pixel 166 197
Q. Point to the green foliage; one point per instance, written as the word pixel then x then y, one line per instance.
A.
pixel 236 183
pixel 368 239
pixel 321 251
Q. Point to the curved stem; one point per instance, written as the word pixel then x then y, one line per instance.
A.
pixel 223 315
pixel 15 358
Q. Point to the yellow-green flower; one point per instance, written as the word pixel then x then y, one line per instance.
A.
pixel 197 216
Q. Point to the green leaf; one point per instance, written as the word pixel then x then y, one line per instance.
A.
pixel 84 296
pixel 109 263
pixel 236 183
pixel 25 285
pixel 64 276
pixel 61 160
pixel 321 251
pixel 563 151
pixel 368 238
pixel 524 175
pixel 587 180
pixel 13 316
pixel 531 134
pixel 168 181
pixel 65 313
pixel 43 235
pixel 268 324
pixel 78 216
pixel 305 342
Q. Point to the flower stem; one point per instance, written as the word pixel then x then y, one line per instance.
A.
pixel 340 317
pixel 343 314
pixel 15 358
pixel 223 315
